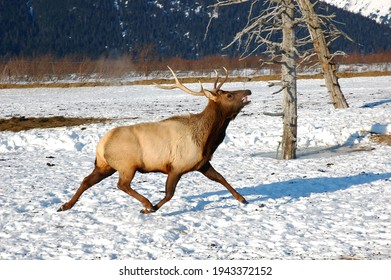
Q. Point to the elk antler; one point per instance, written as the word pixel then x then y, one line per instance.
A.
pixel 216 88
pixel 182 87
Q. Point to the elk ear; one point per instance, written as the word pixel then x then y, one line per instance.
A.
pixel 210 95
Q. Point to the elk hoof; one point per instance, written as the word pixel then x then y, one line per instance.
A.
pixel 243 200
pixel 149 210
pixel 63 207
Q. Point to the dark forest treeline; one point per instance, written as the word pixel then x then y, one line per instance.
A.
pixel 147 30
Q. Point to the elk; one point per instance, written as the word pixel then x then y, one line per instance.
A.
pixel 174 146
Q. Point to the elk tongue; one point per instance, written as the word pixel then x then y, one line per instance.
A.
pixel 245 100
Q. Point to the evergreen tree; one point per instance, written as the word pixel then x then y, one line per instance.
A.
pixel 17 29
pixel 94 28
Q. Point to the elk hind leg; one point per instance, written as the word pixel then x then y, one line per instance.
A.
pixel 213 175
pixel 97 175
pixel 124 184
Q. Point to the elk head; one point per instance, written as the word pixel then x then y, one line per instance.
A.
pixel 229 102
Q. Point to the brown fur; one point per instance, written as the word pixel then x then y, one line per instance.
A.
pixel 173 146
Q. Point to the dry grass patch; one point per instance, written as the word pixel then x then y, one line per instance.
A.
pixel 16 124
pixel 382 139
pixel 183 80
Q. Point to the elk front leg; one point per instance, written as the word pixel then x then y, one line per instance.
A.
pixel 213 175
pixel 171 183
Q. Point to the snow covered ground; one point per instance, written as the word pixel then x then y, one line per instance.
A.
pixel 378 10
pixel 332 202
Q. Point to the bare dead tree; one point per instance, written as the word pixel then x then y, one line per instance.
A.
pixel 288 79
pixel 314 24
pixel 279 20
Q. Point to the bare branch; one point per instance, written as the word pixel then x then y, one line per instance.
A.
pixel 280 90
pixel 215 14
pixel 281 114
pixel 227 3
pixel 273 84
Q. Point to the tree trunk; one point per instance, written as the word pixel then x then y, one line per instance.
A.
pixel 323 52
pixel 288 79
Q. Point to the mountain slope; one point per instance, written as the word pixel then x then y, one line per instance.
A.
pixel 379 10
pixel 148 29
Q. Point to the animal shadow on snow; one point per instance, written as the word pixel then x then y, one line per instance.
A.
pixel 376 103
pixel 294 189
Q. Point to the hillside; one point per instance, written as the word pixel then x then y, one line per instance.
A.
pixel 378 10
pixel 147 29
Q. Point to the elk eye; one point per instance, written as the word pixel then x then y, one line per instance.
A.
pixel 229 96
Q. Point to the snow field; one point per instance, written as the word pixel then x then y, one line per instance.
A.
pixel 330 203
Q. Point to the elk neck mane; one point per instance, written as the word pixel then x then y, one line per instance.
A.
pixel 207 128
